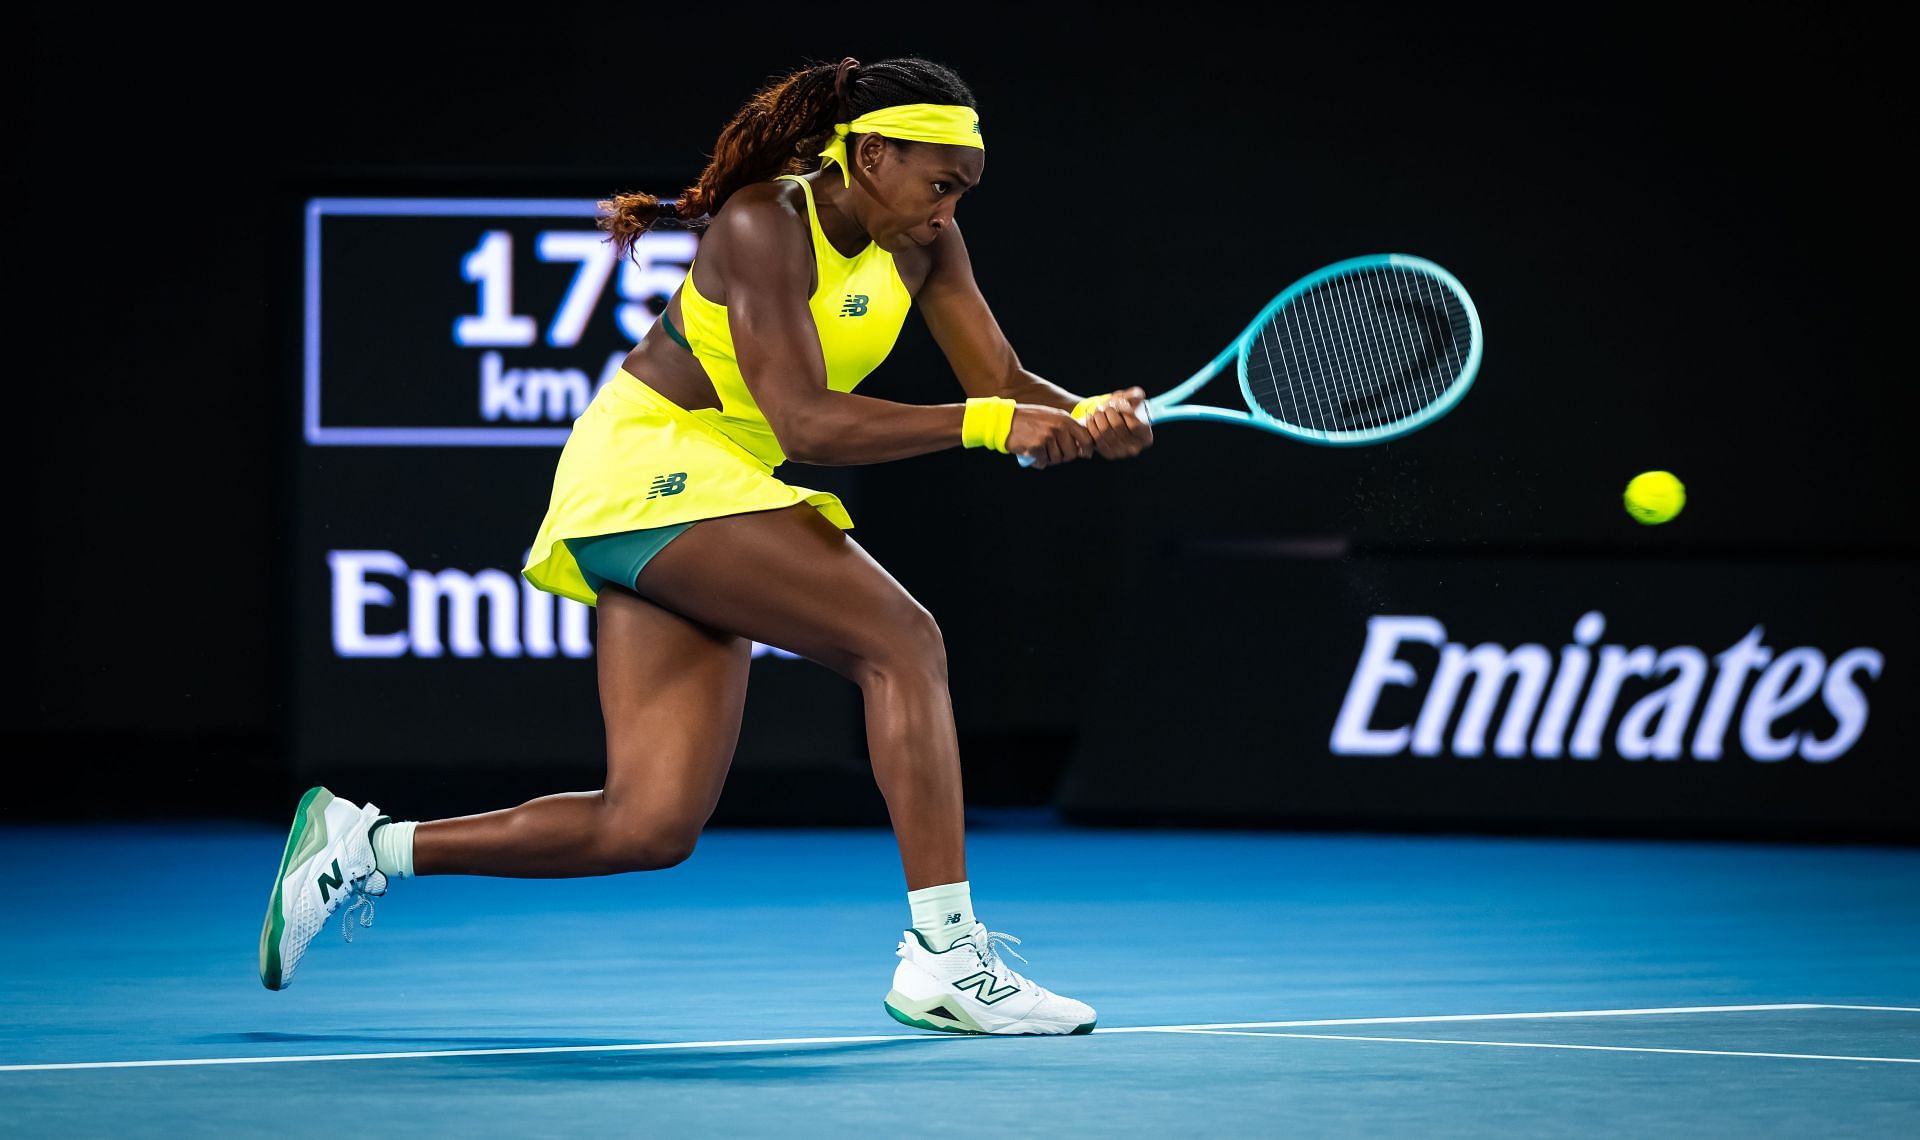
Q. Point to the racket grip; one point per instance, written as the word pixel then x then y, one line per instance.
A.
pixel 1142 411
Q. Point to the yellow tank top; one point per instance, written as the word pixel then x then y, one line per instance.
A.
pixel 858 306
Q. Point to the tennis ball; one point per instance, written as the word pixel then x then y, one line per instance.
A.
pixel 1655 497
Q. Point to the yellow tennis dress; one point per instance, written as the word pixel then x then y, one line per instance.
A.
pixel 636 460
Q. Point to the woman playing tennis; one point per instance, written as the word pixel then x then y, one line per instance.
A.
pixel 665 516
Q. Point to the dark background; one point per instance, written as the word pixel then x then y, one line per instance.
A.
pixel 1681 232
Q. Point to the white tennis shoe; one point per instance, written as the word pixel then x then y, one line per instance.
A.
pixel 328 857
pixel 968 988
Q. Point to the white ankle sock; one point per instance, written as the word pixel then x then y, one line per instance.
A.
pixel 942 914
pixel 393 849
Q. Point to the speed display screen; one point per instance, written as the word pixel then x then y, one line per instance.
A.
pixel 449 322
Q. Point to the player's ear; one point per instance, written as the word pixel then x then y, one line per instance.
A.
pixel 871 152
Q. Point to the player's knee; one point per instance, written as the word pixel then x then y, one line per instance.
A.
pixel 908 648
pixel 646 840
pixel 654 852
pixel 670 848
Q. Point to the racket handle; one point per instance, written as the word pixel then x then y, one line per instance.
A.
pixel 1142 411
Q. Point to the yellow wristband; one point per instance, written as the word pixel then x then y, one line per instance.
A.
pixel 987 421
pixel 1086 406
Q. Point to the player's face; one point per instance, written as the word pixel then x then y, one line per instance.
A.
pixel 919 186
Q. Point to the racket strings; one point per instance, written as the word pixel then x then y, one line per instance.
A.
pixel 1360 351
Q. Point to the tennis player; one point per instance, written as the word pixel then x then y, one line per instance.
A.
pixel 666 516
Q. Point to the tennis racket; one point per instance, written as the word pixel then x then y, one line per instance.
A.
pixel 1362 351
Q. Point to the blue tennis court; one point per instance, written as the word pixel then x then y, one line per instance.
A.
pixel 1335 985
pixel 1375 563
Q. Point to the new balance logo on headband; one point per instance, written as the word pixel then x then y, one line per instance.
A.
pixel 667 485
pixel 854 306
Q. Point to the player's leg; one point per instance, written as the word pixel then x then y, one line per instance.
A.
pixel 671 693
pixel 792 579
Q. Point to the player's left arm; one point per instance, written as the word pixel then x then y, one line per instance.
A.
pixel 985 363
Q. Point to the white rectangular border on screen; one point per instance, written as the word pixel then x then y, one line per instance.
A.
pixel 318 434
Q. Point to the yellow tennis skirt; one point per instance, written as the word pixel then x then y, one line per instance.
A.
pixel 636 459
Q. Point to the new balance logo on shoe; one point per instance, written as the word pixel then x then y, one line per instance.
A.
pixel 334 880
pixel 854 306
pixel 667 485
pixel 982 986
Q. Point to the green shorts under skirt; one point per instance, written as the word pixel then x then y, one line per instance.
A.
pixel 618 557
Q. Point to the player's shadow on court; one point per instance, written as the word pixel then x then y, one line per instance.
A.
pixel 435 1041
pixel 813 1063
pixel 718 1063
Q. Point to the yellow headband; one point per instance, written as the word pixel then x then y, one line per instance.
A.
pixel 951 123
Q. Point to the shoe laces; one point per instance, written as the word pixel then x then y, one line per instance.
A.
pixel 989 949
pixel 360 894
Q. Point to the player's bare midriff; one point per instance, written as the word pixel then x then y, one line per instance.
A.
pixel 673 371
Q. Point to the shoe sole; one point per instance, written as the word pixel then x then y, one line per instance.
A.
pixel 921 1015
pixel 307 836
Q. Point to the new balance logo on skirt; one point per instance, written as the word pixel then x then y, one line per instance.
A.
pixel 667 485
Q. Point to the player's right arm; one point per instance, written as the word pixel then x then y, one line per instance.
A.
pixel 767 266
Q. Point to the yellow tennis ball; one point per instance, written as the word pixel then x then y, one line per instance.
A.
pixel 1655 497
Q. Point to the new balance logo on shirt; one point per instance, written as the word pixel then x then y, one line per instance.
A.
pixel 667 485
pixel 854 306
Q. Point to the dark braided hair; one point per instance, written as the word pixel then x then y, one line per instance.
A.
pixel 781 130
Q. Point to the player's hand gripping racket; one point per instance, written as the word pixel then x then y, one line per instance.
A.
pixel 1360 352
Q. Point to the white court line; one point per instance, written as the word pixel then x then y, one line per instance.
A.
pixel 527 1051
pixel 1540 1045
pixel 1467 1017
pixel 1888 1008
